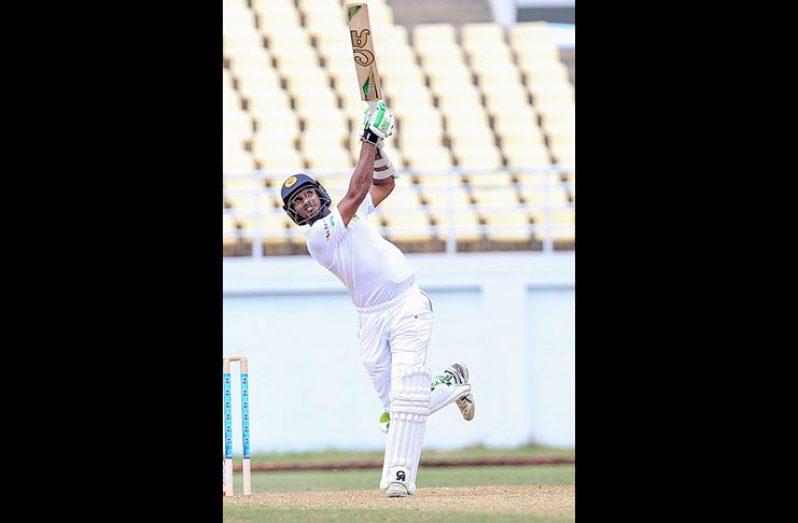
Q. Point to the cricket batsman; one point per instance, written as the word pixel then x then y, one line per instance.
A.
pixel 395 314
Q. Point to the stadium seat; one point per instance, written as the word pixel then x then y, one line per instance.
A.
pixel 465 224
pixel 507 225
pixel 413 226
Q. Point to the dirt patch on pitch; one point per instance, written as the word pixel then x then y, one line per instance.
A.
pixel 557 501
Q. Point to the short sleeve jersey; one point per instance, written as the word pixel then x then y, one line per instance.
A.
pixel 371 267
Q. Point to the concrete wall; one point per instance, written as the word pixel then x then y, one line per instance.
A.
pixel 509 317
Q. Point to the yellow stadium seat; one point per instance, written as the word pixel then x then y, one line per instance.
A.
pixel 559 223
pixel 442 197
pixel 252 82
pixel 273 226
pixel 276 14
pixel 431 157
pixel 315 139
pixel 465 117
pixel 477 137
pixel 530 32
pixel 537 196
pixel 485 54
pixel 333 158
pixel 269 139
pixel 460 95
pixel 495 196
pixel 520 156
pixel 440 56
pixel 556 115
pixel 482 33
pixel 536 179
pixel 311 100
pixel 450 78
pixel 560 132
pixel 414 226
pixel 268 100
pixel 280 159
pixel 237 161
pixel 472 156
pixel 436 180
pixel 381 14
pixel 564 153
pixel 319 13
pixel 246 39
pixel 512 94
pixel 551 93
pixel 407 97
pixel 235 13
pixel 409 74
pixel 508 225
pixel 522 136
pixel 286 39
pixel 536 70
pixel 240 183
pixel 248 199
pixel 491 178
pixel 425 35
pixel 331 120
pixel 402 198
pixel 514 113
pixel 249 58
pixel 464 224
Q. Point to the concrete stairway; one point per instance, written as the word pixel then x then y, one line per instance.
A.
pixel 568 57
pixel 457 12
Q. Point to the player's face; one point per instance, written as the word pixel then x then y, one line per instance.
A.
pixel 306 202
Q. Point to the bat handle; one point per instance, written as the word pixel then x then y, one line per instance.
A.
pixel 373 105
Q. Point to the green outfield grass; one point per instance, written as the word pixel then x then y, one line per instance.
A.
pixel 477 452
pixel 309 481
pixel 242 510
pixel 247 515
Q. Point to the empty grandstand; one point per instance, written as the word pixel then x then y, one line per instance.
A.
pixel 485 124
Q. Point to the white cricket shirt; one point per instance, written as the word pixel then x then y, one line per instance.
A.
pixel 373 269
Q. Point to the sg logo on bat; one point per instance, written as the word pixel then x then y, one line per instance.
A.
pixel 359 41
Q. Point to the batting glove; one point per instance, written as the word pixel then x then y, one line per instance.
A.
pixel 379 124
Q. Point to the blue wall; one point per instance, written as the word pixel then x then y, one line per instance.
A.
pixel 510 317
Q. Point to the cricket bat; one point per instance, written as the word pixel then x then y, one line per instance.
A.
pixel 368 78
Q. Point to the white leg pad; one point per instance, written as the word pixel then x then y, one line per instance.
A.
pixel 410 397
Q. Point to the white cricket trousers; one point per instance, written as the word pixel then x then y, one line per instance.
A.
pixel 395 333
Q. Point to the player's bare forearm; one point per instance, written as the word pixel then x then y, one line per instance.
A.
pixel 380 189
pixel 360 183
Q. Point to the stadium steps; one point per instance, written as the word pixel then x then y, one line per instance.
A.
pixel 568 57
pixel 456 12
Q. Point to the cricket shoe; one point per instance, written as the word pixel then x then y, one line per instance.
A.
pixel 396 490
pixel 466 405
pixel 456 376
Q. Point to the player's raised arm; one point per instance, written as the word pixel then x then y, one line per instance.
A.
pixel 383 177
pixel 379 125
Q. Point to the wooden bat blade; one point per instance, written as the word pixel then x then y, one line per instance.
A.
pixel 368 77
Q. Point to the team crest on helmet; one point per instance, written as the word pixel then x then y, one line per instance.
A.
pixel 291 181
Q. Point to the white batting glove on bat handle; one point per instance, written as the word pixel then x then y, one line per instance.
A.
pixel 383 167
pixel 379 125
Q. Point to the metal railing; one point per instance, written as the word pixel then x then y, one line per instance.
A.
pixel 265 192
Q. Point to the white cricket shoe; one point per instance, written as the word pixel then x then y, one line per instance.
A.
pixel 456 375
pixel 466 405
pixel 396 490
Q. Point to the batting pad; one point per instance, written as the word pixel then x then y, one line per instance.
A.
pixel 410 395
